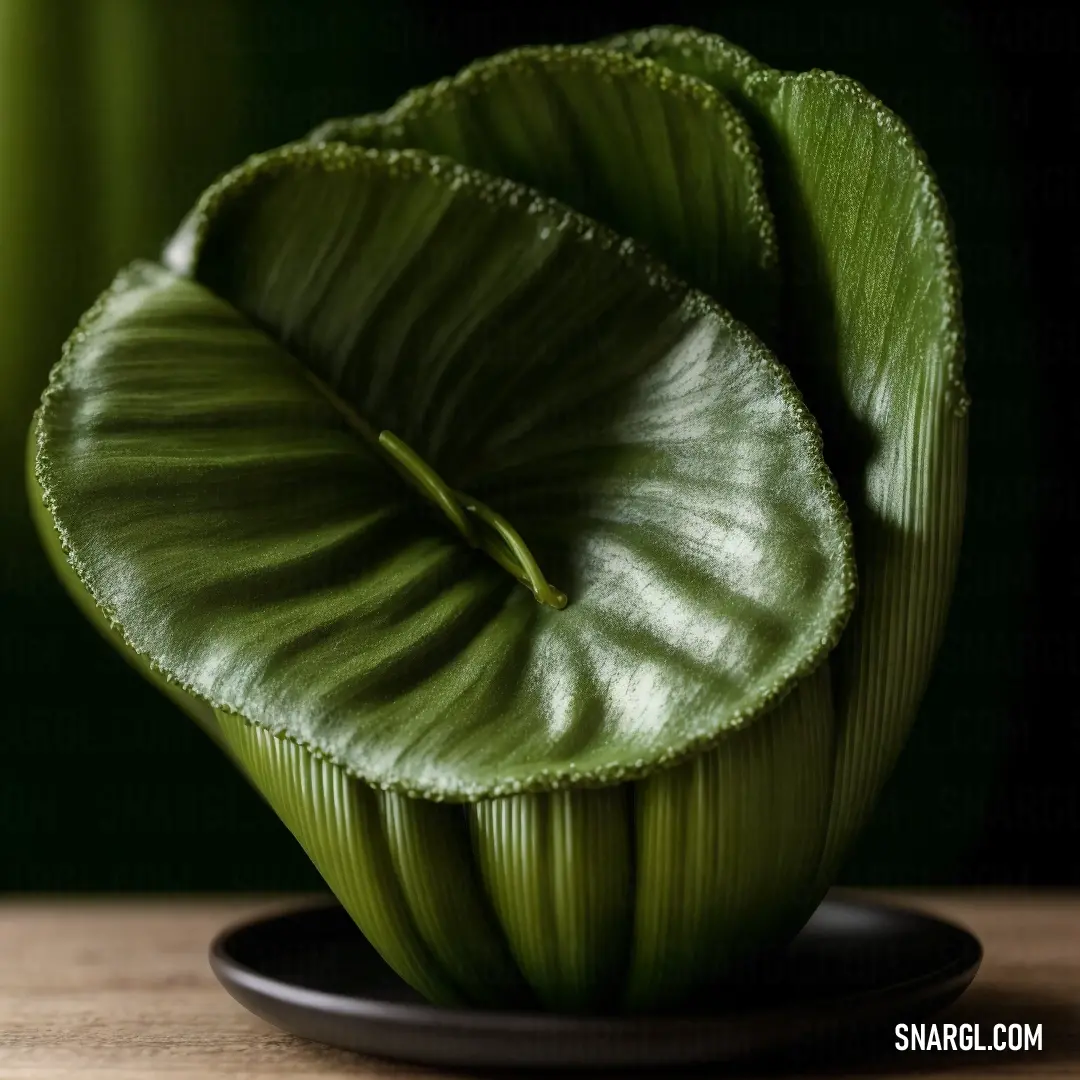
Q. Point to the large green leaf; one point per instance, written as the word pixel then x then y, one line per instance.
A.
pixel 651 153
pixel 205 453
pixel 874 340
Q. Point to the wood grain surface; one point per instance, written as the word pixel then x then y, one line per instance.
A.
pixel 120 988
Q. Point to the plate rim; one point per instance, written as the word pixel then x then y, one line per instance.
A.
pixel 955 974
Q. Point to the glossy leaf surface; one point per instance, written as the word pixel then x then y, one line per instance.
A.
pixel 199 452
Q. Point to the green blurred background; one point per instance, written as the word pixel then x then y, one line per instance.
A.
pixel 115 113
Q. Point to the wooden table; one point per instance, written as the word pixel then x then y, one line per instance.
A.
pixel 120 989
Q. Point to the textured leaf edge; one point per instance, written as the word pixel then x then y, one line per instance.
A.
pixel 757 76
pixel 423 100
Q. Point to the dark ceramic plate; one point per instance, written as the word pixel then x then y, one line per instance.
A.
pixel 856 969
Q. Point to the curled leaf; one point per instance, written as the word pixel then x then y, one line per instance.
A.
pixel 246 539
pixel 874 338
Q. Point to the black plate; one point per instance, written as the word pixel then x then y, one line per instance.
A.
pixel 857 967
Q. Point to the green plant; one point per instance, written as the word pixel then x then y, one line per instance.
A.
pixel 391 374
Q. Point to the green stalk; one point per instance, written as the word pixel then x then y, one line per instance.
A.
pixel 728 846
pixel 500 539
pixel 513 555
pixel 430 850
pixel 558 867
pixel 338 823
pixel 417 472
pixel 497 537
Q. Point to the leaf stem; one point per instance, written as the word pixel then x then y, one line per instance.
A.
pixel 428 482
pixel 500 539
pixel 522 564
pixel 506 546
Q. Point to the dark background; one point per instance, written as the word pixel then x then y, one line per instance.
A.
pixel 115 113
